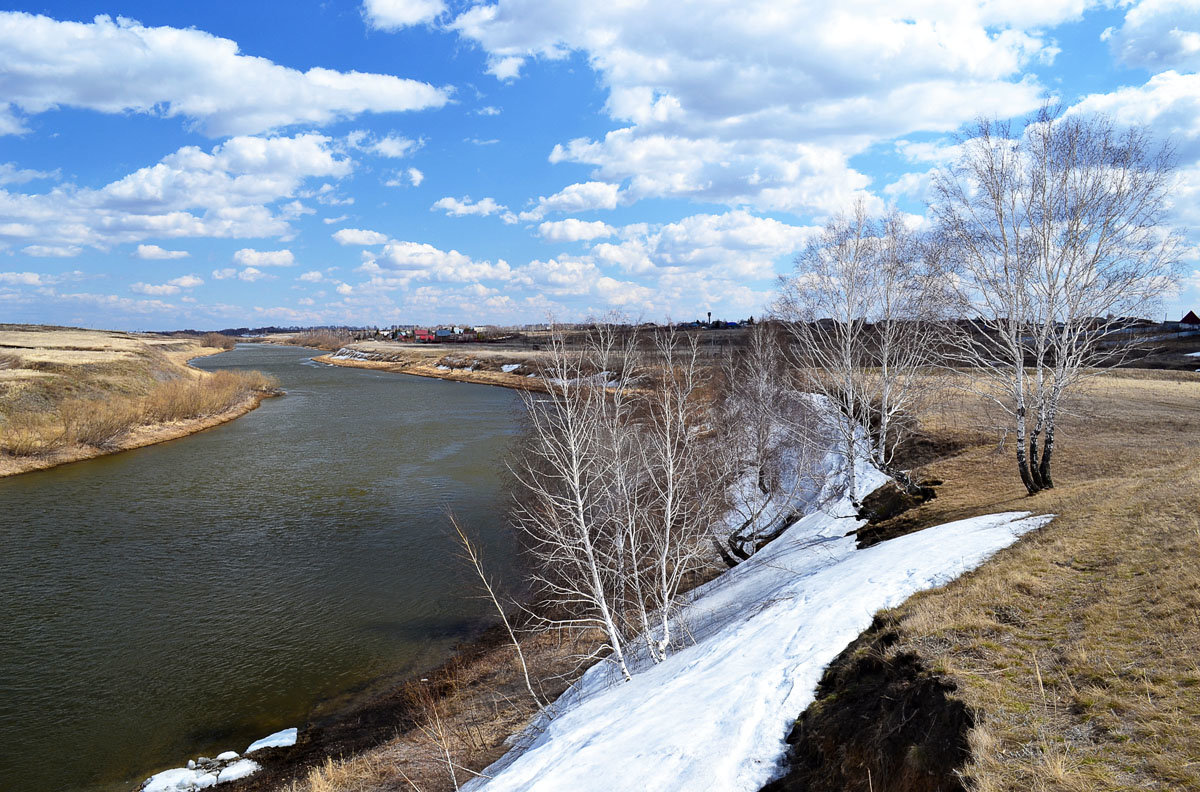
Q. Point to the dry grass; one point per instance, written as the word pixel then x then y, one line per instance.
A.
pixel 102 422
pixel 1079 648
pixel 88 389
pixel 465 714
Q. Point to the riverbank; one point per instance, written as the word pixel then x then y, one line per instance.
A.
pixel 477 364
pixel 67 394
pixel 1069 652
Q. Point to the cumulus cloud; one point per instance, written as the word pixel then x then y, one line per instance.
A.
pixel 392 145
pixel 460 207
pixel 415 177
pixel 580 197
pixel 11 174
pixel 173 286
pixel 314 276
pixel 121 66
pixel 713 97
pixel 249 257
pixel 154 252
pixel 574 230
pixel 225 192
pixel 1158 35
pixel 359 236
pixel 396 14
pixel 401 262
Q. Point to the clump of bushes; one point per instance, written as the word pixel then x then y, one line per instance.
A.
pixel 329 340
pixel 217 341
pixel 104 422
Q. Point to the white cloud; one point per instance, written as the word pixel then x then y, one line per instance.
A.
pixel 460 207
pixel 52 251
pixel 402 262
pixel 154 252
pixel 415 177
pixel 191 193
pixel 574 230
pixel 311 277
pixel 11 174
pixel 581 197
pixel 393 146
pixel 1158 35
pixel 488 110
pixel 714 97
pixel 334 220
pixel 23 279
pixel 224 274
pixel 173 286
pixel 249 257
pixel 396 14
pixel 1170 102
pixel 123 66
pixel 252 274
pixel 359 236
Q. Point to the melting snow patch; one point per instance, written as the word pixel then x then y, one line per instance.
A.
pixel 239 769
pixel 509 368
pixel 280 739
pixel 714 715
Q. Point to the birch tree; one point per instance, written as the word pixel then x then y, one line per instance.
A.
pixel 1057 234
pixel 863 310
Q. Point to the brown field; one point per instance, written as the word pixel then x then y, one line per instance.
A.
pixel 1078 649
pixel 68 394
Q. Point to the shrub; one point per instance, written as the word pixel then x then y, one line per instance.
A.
pixel 217 341
pixel 329 340
pixel 27 433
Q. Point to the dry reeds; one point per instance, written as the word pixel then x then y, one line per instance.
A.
pixel 105 422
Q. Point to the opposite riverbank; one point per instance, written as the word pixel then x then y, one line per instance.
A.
pixel 69 394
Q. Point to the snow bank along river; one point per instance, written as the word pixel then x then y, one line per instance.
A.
pixel 714 715
pixel 188 598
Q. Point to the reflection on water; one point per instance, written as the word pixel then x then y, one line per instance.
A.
pixel 192 596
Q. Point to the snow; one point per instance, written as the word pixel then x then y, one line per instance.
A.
pixel 1193 354
pixel 509 368
pixel 227 756
pixel 239 769
pixel 280 739
pixel 178 779
pixel 714 715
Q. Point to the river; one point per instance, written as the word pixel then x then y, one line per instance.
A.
pixel 189 597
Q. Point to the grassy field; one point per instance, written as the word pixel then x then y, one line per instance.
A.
pixel 1078 649
pixel 69 394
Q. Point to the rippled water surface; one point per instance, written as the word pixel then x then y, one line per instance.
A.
pixel 192 596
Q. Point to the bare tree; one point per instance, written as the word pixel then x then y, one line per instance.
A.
pixel 618 498
pixel 565 477
pixel 770 434
pixel 683 502
pixel 863 311
pixel 1057 236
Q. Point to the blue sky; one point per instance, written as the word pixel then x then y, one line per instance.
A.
pixel 167 165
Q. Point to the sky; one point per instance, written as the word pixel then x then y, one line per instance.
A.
pixel 187 165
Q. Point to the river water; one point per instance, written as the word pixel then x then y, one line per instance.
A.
pixel 190 597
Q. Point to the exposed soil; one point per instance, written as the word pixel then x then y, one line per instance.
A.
pixel 878 724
